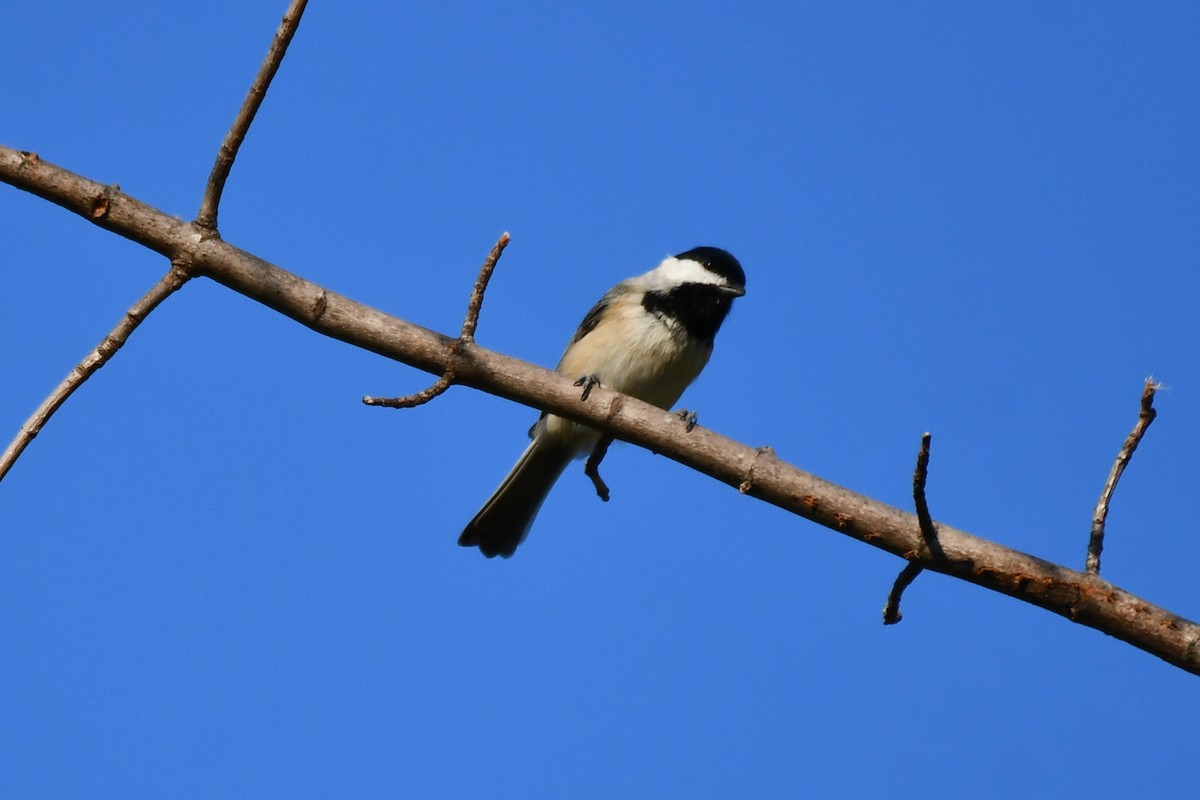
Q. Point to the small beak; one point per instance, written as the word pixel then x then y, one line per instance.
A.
pixel 733 291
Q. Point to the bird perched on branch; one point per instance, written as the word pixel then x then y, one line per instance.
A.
pixel 648 337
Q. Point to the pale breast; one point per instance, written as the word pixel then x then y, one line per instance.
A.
pixel 653 361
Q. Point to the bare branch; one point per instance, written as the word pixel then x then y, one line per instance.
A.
pixel 97 358
pixel 1146 415
pixel 746 485
pixel 207 217
pixel 891 611
pixel 481 284
pixel 465 339
pixel 1082 598
pixel 417 398
pixel 920 474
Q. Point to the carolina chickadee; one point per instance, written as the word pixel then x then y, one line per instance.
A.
pixel 648 337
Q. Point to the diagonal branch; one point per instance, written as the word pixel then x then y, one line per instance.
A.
pixel 97 358
pixel 207 217
pixel 1146 415
pixel 1083 599
pixel 178 275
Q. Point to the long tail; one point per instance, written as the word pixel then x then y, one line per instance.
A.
pixel 504 520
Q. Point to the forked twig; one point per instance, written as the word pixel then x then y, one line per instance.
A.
pixel 466 337
pixel 97 358
pixel 179 273
pixel 891 612
pixel 207 216
pixel 1146 415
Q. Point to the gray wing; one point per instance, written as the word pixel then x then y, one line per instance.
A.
pixel 592 318
pixel 590 321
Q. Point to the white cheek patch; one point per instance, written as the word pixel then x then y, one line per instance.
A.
pixel 676 271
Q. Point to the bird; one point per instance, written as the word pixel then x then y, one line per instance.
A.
pixel 648 337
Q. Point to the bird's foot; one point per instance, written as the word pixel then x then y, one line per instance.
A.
pixel 592 467
pixel 588 382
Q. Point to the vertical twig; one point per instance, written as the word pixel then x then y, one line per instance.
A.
pixel 1146 415
pixel 207 216
pixel 93 361
pixel 891 611
pixel 920 474
pixel 475 304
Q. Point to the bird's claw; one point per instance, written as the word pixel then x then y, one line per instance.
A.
pixel 588 382
pixel 689 417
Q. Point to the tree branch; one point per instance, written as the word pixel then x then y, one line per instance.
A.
pixel 1085 599
pixel 891 611
pixel 207 216
pixel 97 358
pixel 475 304
pixel 1145 416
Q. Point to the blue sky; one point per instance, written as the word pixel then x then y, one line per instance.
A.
pixel 221 575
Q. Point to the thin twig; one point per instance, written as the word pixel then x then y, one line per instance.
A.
pixel 481 284
pixel 592 467
pixel 417 398
pixel 1146 415
pixel 928 531
pixel 93 361
pixel 207 216
pixel 467 337
pixel 891 612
